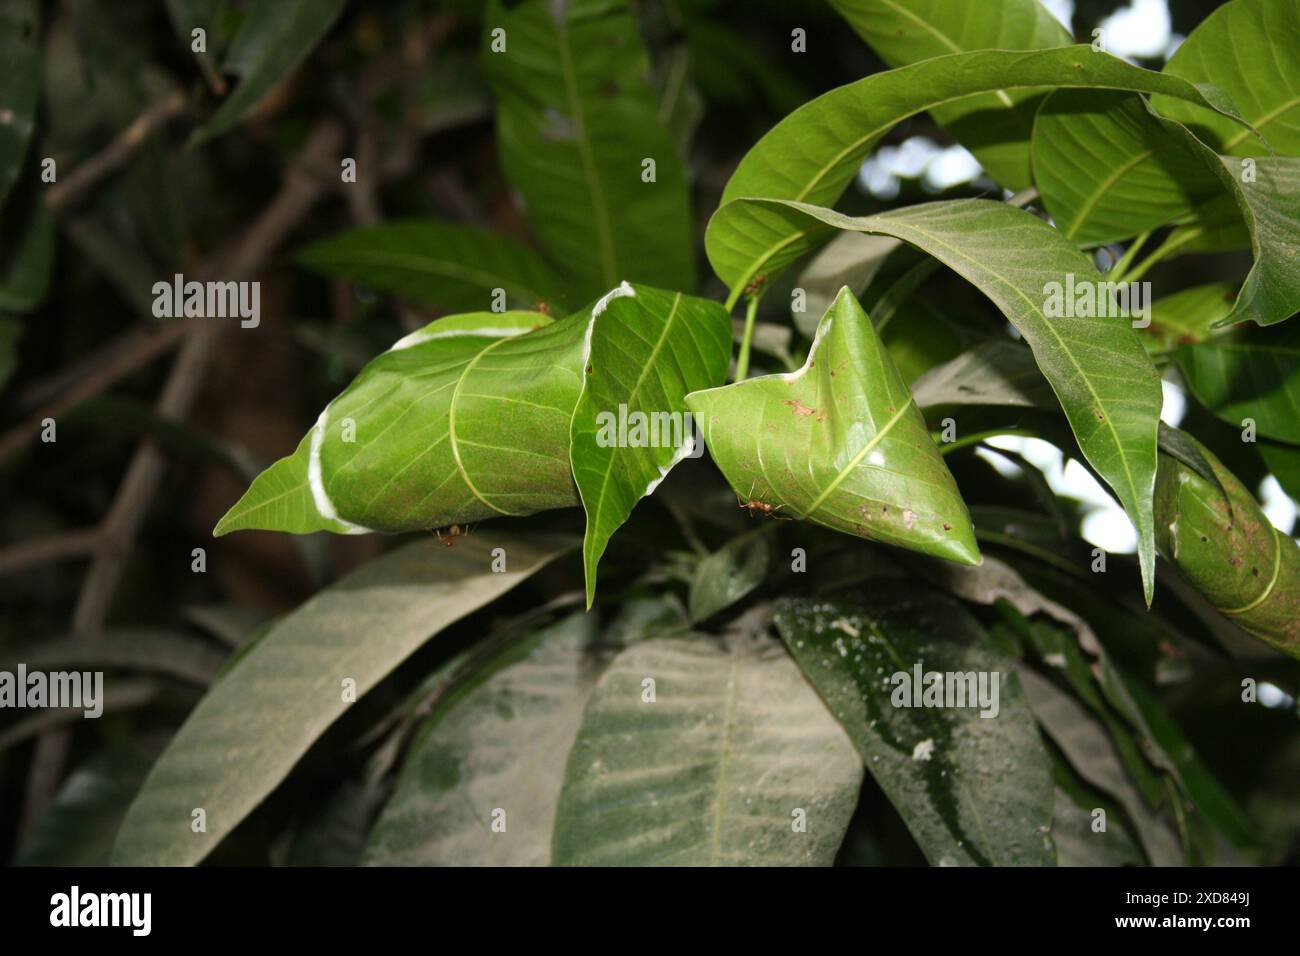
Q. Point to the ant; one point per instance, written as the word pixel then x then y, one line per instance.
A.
pixel 449 534
pixel 758 507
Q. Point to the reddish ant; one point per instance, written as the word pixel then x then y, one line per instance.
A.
pixel 758 507
pixel 449 534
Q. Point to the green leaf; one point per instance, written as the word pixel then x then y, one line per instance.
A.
pixel 995 126
pixel 1078 844
pixel 1284 463
pixel 20 51
pixel 839 442
pixel 273 40
pixel 258 721
pixel 714 771
pixel 576 119
pixel 1249 373
pixel 1227 549
pixel 1107 170
pixel 1091 751
pixel 1101 374
pixel 1189 315
pixel 851 259
pixel 169 653
pixel 1263 82
pixel 728 574
pixel 934 763
pixel 1267 194
pixel 646 349
pixel 814 153
pixel 499 744
pixel 465 419
pixel 451 266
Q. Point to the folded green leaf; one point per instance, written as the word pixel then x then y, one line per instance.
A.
pixel 706 752
pixel 257 722
pixel 1263 82
pixel 1101 374
pixel 20 51
pixel 577 119
pixel 813 154
pixel 1250 373
pixel 1229 551
pixel 839 442
pixel 645 350
pixel 995 126
pixel 455 267
pixel 465 419
pixel 1108 170
pixel 272 41
pixel 932 761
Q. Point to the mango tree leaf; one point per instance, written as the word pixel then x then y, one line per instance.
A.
pixel 451 266
pixel 273 40
pixel 839 442
pixel 1249 373
pixel 646 349
pixel 814 153
pixel 498 743
pixel 1267 194
pixel 1101 374
pixel 20 51
pixel 464 419
pixel 1263 85
pixel 151 651
pixel 1107 170
pixel 734 761
pixel 995 126
pixel 1078 844
pixel 576 121
pixel 258 721
pixel 962 805
pixel 1228 550
pixel 1091 751
pixel 728 574
pixel 1189 315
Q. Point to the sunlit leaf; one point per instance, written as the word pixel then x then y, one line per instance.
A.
pixel 839 442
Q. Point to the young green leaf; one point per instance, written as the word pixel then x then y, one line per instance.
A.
pixel 1269 359
pixel 1107 170
pixel 272 41
pixel 706 752
pixel 962 806
pixel 455 267
pixel 995 126
pixel 465 419
pixel 839 442
pixel 20 51
pixel 1189 315
pixel 257 722
pixel 1263 84
pixel 1228 550
pixel 645 350
pixel 814 153
pixel 579 138
pixel 1101 374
